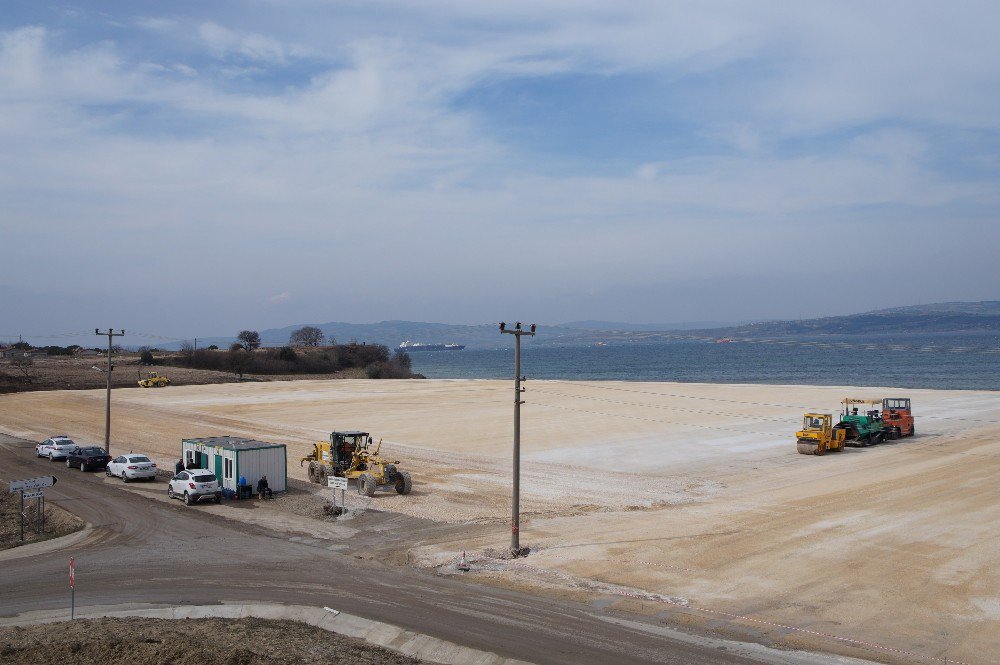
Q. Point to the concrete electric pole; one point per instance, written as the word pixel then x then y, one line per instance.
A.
pixel 515 506
pixel 107 407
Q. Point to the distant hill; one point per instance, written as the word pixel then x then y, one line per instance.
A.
pixel 648 327
pixel 937 317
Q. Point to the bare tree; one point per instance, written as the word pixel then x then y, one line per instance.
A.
pixel 307 336
pixel 249 339
pixel 25 366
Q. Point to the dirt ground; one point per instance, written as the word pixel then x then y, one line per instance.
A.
pixel 58 522
pixel 670 499
pixel 113 641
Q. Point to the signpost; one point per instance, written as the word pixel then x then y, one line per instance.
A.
pixel 72 588
pixel 336 483
pixel 32 483
pixel 31 488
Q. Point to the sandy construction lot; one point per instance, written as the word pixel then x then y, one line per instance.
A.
pixel 682 499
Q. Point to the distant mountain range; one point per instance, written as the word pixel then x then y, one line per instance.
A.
pixel 937 317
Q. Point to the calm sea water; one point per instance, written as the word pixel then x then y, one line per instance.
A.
pixel 929 360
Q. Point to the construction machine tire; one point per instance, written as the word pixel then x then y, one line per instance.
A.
pixel 820 450
pixel 403 482
pixel 366 484
pixel 807 448
pixel 311 472
pixel 321 474
pixel 913 431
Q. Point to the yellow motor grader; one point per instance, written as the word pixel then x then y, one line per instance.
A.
pixel 349 455
pixel 818 434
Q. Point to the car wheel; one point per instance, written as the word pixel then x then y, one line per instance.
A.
pixel 124 477
pixel 218 499
pixel 170 492
pixel 51 459
pixel 83 467
pixel 107 471
pixel 68 465
pixel 187 499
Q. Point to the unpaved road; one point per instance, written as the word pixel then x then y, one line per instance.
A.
pixel 147 552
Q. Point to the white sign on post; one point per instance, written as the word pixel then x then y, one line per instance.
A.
pixel 337 483
pixel 33 494
pixel 31 483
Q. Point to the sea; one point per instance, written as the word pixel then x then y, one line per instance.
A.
pixel 955 361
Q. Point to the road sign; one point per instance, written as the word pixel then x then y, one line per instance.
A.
pixel 31 483
pixel 72 573
pixel 337 483
pixel 33 494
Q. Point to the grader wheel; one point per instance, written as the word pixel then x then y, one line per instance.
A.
pixel 312 472
pixel 403 482
pixel 366 484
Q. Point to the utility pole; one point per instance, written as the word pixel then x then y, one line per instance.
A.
pixel 107 409
pixel 515 504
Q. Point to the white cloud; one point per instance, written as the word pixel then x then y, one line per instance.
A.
pixel 368 146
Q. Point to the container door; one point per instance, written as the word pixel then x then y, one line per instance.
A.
pixel 218 467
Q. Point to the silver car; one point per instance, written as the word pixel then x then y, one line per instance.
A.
pixel 134 466
pixel 194 485
pixel 58 447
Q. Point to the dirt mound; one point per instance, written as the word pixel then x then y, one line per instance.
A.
pixel 205 641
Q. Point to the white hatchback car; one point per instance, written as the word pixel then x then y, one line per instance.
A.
pixel 56 447
pixel 194 485
pixel 133 466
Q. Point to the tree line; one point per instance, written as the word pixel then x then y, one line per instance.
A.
pixel 307 352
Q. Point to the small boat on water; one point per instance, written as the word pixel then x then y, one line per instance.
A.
pixel 420 346
pixel 725 340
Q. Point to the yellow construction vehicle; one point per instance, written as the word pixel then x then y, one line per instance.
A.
pixel 154 380
pixel 349 455
pixel 818 435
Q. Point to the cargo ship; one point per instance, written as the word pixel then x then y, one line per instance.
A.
pixel 420 346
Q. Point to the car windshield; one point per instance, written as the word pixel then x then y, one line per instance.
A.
pixel 204 478
pixel 138 458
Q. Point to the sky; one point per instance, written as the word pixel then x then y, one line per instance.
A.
pixel 193 168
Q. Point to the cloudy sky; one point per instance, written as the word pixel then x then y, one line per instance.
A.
pixel 195 168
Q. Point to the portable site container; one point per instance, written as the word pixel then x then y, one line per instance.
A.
pixel 231 457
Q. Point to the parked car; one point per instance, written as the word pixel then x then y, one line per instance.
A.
pixel 194 485
pixel 44 448
pixel 85 459
pixel 133 466
pixel 61 448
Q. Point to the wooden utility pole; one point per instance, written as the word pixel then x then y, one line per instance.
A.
pixel 107 407
pixel 515 504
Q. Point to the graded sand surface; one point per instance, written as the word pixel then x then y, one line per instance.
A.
pixel 688 496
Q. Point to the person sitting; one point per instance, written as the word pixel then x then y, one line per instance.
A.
pixel 262 488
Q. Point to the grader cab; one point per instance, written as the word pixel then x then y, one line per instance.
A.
pixel 818 435
pixel 349 455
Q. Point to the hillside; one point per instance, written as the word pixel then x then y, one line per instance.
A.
pixel 936 317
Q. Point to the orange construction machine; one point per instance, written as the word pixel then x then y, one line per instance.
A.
pixel 896 413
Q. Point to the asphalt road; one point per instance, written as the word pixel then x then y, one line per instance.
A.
pixel 145 551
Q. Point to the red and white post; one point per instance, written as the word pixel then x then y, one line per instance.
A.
pixel 72 588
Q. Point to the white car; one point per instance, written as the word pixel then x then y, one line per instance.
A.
pixel 194 485
pixel 133 466
pixel 56 447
